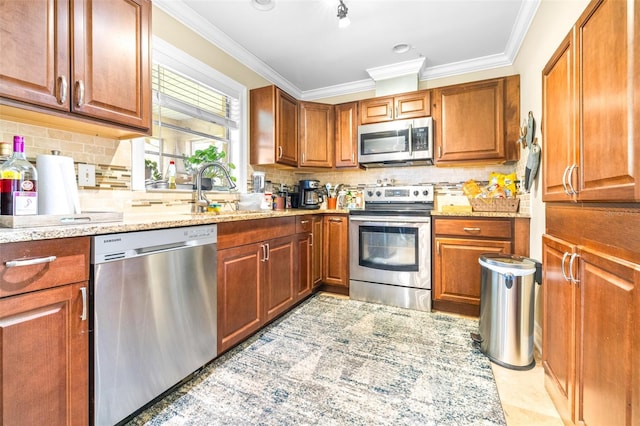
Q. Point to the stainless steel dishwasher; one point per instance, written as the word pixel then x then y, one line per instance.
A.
pixel 154 314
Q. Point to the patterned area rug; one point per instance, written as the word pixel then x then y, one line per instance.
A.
pixel 335 361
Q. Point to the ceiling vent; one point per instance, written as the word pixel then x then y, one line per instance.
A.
pixel 397 78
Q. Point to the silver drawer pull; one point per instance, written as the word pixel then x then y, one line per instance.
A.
pixel 472 229
pixel 83 292
pixel 302 222
pixel 29 262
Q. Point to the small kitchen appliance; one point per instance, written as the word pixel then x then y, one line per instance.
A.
pixel 310 194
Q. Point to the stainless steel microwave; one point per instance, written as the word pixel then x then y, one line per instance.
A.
pixel 398 142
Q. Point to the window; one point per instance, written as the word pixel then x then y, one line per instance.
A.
pixel 194 107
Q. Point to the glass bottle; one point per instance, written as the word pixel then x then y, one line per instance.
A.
pixel 18 186
pixel 171 175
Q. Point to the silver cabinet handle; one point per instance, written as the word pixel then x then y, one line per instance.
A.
pixel 280 152
pixel 353 157
pixel 438 248
pixel 62 89
pixel 267 251
pixel 79 93
pixel 311 240
pixel 29 262
pixel 574 256
pixel 333 219
pixel 83 292
pixel 439 151
pixel 564 181
pixel 564 274
pixel 572 191
pixel 264 253
pixel 472 229
pixel 302 222
pixel 303 157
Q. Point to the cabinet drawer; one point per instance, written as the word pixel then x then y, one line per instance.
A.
pixel 235 234
pixel 43 264
pixel 491 228
pixel 304 224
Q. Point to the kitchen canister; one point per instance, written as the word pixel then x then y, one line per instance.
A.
pixel 57 185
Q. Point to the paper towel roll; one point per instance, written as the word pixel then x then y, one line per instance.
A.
pixel 57 185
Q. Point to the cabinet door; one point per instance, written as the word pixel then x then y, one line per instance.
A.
pixel 376 110
pixel 279 293
pixel 45 358
pixel 316 251
pixel 240 272
pixel 346 135
pixel 457 273
pixel 413 105
pixel 35 52
pixel 305 256
pixel 286 129
pixel 336 259
pixel 110 82
pixel 604 338
pixel 558 337
pixel 316 134
pixel 608 148
pixel 469 122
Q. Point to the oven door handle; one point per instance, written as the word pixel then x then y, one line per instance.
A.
pixel 392 221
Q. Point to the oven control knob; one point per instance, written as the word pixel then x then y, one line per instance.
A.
pixel 370 193
pixel 416 193
pixel 425 192
pixel 378 193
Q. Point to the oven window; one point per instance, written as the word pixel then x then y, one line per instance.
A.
pixel 392 248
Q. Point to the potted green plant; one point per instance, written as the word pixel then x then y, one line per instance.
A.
pixel 209 155
pixel 151 170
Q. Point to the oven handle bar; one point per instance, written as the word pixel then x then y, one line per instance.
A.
pixel 390 219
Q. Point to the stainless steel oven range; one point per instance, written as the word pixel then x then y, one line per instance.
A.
pixel 390 247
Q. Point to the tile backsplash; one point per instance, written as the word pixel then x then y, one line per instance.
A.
pixel 112 158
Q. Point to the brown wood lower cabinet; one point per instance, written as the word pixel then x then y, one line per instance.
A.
pixel 458 244
pixel 590 304
pixel 44 356
pixel 335 250
pixel 240 272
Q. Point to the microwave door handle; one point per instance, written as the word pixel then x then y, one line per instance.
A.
pixel 410 140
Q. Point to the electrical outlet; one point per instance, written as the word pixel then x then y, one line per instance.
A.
pixel 86 175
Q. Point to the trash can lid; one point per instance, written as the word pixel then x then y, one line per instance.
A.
pixel 514 264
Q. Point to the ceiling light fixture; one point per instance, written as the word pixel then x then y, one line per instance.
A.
pixel 263 5
pixel 343 19
pixel 401 48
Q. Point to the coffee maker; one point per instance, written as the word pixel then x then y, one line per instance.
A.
pixel 310 194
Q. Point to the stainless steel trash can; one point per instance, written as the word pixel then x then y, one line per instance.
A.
pixel 506 309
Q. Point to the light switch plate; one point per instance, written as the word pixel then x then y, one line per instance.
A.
pixel 86 175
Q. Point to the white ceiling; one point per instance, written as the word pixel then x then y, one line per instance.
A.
pixel 298 46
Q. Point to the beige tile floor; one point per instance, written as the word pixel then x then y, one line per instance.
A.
pixel 524 400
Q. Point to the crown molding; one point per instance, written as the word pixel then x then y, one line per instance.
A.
pixel 339 90
pixel 412 66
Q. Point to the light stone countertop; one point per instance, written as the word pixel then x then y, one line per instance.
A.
pixel 146 221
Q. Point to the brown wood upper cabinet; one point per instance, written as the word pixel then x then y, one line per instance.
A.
pixel 477 122
pixel 346 135
pixel 67 61
pixel 387 108
pixel 589 109
pixel 274 127
pixel 316 134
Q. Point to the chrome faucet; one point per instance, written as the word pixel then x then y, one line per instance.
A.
pixel 201 203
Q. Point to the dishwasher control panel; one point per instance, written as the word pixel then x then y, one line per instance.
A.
pixel 112 247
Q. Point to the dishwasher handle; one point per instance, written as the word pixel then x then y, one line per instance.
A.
pixel 160 248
